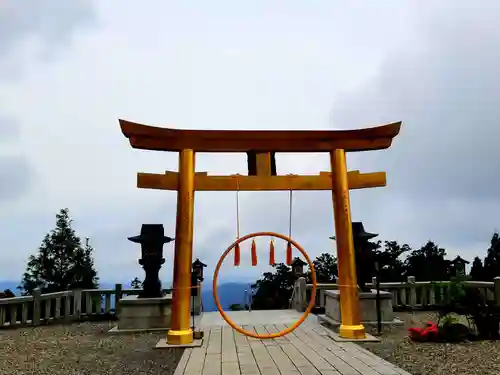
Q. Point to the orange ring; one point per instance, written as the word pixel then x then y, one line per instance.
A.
pixel 311 301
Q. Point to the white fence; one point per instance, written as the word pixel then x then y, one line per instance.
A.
pixel 414 295
pixel 72 305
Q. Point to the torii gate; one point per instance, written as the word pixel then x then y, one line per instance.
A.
pixel 260 146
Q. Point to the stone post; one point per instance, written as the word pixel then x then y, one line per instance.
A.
pixel 37 294
pixel 496 282
pixel 301 295
pixel 77 304
pixel 413 291
pixel 118 297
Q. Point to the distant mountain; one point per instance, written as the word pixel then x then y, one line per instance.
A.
pixel 12 285
pixel 229 293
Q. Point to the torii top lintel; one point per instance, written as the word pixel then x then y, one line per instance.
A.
pixel 147 137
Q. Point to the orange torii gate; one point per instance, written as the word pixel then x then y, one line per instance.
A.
pixel 260 146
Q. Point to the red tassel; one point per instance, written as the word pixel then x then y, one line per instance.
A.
pixel 254 253
pixel 237 255
pixel 271 253
pixel 289 254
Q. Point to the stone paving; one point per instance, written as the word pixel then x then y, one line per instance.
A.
pixel 309 350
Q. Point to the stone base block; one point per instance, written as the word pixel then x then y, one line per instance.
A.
pixel 116 331
pixel 163 344
pixel 367 307
pixel 144 313
pixel 329 324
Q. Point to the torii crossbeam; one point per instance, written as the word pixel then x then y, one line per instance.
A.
pixel 260 146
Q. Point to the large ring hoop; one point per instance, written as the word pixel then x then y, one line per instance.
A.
pixel 274 334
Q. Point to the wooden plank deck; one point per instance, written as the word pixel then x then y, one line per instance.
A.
pixel 309 350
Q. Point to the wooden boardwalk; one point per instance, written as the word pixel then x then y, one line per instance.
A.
pixel 309 350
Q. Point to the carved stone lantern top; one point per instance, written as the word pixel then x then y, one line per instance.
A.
pixel 359 233
pixel 151 233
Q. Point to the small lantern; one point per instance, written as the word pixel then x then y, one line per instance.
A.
pixel 459 266
pixel 298 267
pixel 197 269
pixel 151 239
pixel 196 276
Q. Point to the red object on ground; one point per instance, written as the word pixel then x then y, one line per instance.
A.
pixel 428 333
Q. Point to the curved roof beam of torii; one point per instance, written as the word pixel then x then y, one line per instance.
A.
pixel 147 137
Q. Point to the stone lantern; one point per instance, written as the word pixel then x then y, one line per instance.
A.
pixel 196 275
pixel 364 254
pixel 375 304
pixel 197 269
pixel 298 267
pixel 459 266
pixel 196 279
pixel 151 239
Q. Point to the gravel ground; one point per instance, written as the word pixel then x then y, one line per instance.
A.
pixel 470 358
pixel 83 348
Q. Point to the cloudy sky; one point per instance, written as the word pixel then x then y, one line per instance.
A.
pixel 70 69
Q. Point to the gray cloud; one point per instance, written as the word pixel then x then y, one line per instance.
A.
pixel 447 95
pixel 443 169
pixel 16 176
pixel 53 23
pixel 9 129
pixel 438 76
pixel 45 27
pixel 52 26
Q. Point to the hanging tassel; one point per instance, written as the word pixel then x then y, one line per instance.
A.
pixel 271 253
pixel 289 254
pixel 237 255
pixel 254 253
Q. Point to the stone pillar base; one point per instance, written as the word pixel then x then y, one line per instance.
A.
pixel 367 307
pixel 144 314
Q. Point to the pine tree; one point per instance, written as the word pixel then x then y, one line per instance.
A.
pixel 492 260
pixel 428 263
pixel 274 289
pixel 326 268
pixel 62 263
pixel 391 266
pixel 477 270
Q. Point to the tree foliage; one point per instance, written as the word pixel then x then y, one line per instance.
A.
pixel 136 283
pixel 477 270
pixel 326 268
pixel 428 263
pixel 492 260
pixel 61 263
pixel 274 289
pixel 391 266
pixel 236 307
